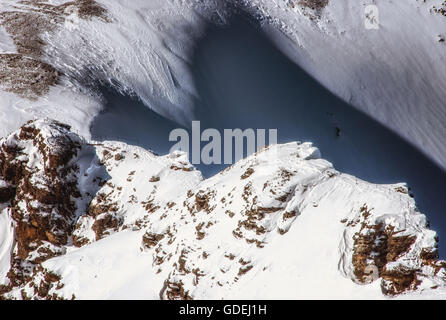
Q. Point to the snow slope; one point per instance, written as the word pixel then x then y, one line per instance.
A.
pixel 282 223
pixel 395 74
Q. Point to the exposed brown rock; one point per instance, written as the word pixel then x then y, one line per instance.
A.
pixel 119 157
pixel 441 9
pixel 289 214
pixel 80 241
pixel 202 201
pixel 200 233
pixel 175 291
pixel 57 207
pixel 380 245
pixel 150 206
pixel 244 270
pixel 150 240
pixel 27 26
pixel 44 212
pixel 26 77
pixel 183 168
pixel 399 280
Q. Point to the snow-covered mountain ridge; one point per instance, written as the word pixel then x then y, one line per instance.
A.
pixel 85 220
pixel 394 74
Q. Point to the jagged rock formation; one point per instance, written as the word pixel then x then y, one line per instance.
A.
pixel 24 73
pixel 91 220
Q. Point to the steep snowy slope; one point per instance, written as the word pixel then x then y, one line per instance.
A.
pixel 395 74
pixel 127 223
pixel 29 87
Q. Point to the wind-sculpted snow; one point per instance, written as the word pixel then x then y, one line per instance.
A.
pixel 23 73
pixel 127 223
pixel 138 47
pixel 143 48
pixel 393 73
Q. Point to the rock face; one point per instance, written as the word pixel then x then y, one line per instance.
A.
pixel 89 218
pixel 39 172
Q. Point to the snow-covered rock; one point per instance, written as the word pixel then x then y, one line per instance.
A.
pixel 86 220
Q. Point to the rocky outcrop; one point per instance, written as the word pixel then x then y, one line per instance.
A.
pixel 313 4
pixel 441 9
pixel 24 73
pixel 39 164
